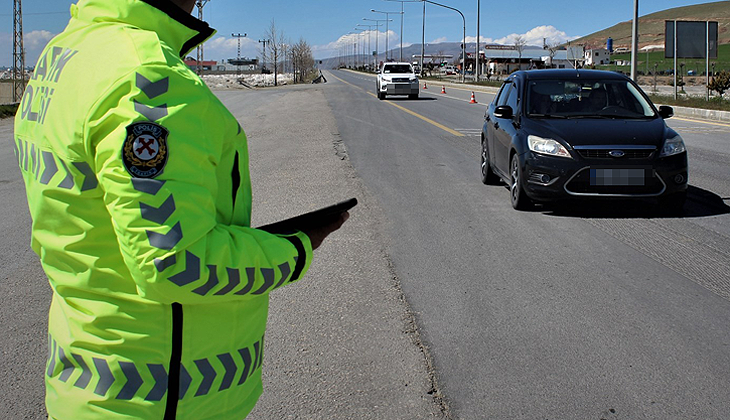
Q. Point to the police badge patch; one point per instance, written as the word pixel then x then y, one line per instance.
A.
pixel 145 149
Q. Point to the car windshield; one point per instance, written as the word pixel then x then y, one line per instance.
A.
pixel 586 99
pixel 397 68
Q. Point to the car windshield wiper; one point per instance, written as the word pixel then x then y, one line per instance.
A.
pixel 548 116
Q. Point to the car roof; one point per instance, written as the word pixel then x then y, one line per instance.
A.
pixel 568 74
pixel 400 63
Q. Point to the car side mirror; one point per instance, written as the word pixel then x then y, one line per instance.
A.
pixel 666 111
pixel 503 111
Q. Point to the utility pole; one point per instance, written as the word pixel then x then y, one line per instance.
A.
pixel 238 56
pixel 18 52
pixel 476 57
pixel 263 54
pixel 200 4
pixel 635 41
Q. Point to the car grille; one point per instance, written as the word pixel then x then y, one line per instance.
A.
pixel 580 184
pixel 604 153
pixel 401 80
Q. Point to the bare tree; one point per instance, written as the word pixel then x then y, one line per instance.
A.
pixel 553 48
pixel 302 60
pixel 276 46
pixel 519 47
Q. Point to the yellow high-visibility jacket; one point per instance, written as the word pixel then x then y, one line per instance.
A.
pixel 139 190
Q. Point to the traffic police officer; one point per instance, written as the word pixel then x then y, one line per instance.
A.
pixel 138 186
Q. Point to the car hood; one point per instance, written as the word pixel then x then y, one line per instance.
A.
pixel 593 132
pixel 407 75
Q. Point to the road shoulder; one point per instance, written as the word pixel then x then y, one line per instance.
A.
pixel 342 343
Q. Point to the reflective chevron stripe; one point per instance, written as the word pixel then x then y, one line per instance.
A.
pixel 209 374
pixel 106 379
pixel 212 282
pixel 85 377
pixel 50 168
pixel 131 378
pixel 160 214
pixel 68 367
pixel 168 240
pixel 134 381
pixel 153 90
pixel 151 113
pixel 159 374
pixel 147 185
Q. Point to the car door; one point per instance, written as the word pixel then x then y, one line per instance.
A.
pixel 504 130
pixel 491 123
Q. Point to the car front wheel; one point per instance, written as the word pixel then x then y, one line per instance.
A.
pixel 520 200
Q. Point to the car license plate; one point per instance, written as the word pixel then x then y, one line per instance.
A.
pixel 618 177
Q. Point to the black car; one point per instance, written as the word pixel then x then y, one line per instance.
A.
pixel 556 134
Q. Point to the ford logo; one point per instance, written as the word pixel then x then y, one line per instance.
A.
pixel 617 153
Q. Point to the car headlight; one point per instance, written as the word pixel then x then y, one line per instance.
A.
pixel 547 146
pixel 673 146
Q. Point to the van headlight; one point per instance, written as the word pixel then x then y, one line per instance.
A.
pixel 673 146
pixel 547 146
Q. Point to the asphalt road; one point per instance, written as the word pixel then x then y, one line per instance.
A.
pixel 585 312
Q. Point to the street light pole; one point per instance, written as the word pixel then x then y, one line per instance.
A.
pixel 476 63
pixel 377 51
pixel 370 51
pixel 402 12
pixel 238 57
pixel 387 31
pixel 463 43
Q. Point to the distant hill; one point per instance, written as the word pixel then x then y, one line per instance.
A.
pixel 651 27
pixel 651 32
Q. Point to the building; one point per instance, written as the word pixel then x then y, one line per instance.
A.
pixel 597 57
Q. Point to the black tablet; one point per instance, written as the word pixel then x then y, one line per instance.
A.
pixel 309 219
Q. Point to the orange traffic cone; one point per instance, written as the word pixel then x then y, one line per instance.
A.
pixel 424 85
pixel 473 101
pixel 443 89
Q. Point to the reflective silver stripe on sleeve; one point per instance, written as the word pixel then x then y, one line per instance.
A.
pixel 191 272
pixel 285 270
pixel 162 265
pixel 168 240
pixel 210 284
pixel 90 181
pixel 251 276
pixel 153 89
pixel 234 278
pixel 67 182
pixel 148 186
pixel 160 214
pixel 268 275
pixel 151 113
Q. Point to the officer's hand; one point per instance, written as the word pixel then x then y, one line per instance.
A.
pixel 320 231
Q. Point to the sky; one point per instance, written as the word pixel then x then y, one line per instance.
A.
pixel 324 24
